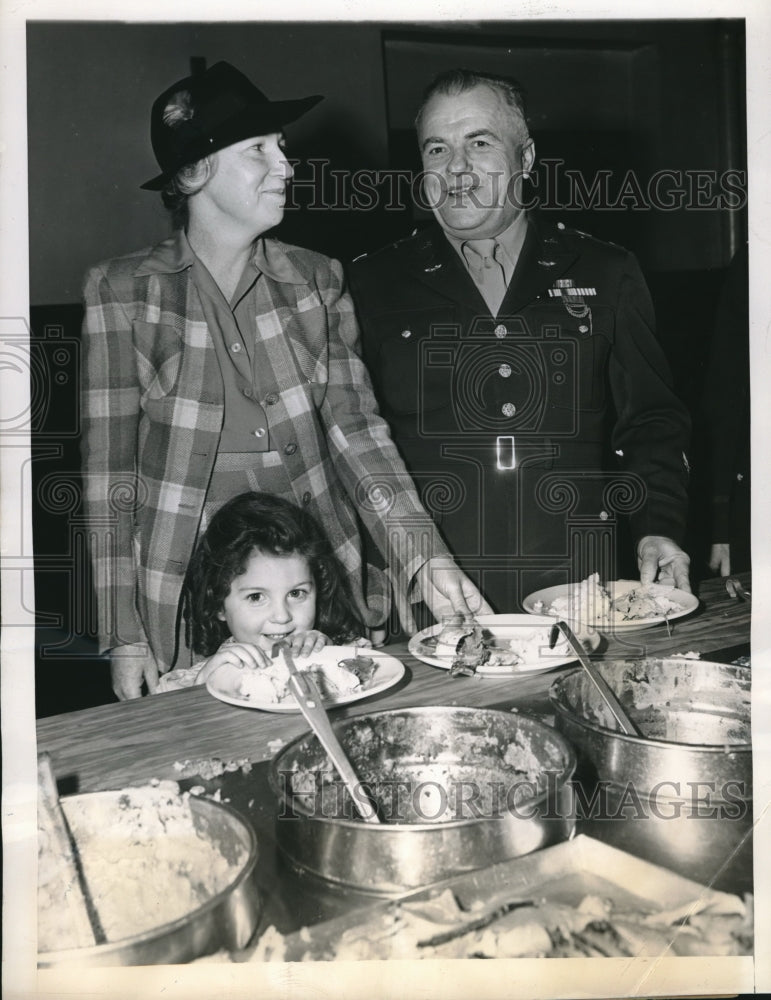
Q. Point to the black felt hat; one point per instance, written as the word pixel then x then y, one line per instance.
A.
pixel 213 110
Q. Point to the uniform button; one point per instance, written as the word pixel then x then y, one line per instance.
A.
pixel 508 409
pixel 235 348
pixel 604 515
pixel 560 225
pixel 583 328
pixel 307 497
pixel 259 432
pixel 500 331
pixel 504 371
pixel 290 449
pixel 248 393
pixel 271 398
pixel 406 334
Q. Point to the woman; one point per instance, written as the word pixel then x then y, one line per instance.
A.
pixel 220 361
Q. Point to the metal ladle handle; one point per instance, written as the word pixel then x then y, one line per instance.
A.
pixel 614 705
pixel 308 698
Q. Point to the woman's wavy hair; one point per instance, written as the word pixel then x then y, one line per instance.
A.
pixel 264 523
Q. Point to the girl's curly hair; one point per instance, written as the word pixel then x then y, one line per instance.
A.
pixel 265 523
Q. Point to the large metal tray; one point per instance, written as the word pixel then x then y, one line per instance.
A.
pixel 564 873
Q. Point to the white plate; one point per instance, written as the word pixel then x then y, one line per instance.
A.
pixel 616 589
pixel 502 627
pixel 223 683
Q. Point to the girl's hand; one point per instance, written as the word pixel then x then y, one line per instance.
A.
pixel 307 643
pixel 377 637
pixel 241 654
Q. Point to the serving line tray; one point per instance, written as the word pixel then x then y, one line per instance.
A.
pixel 562 874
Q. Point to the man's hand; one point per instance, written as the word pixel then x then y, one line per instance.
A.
pixel 130 666
pixel 447 590
pixel 663 561
pixel 720 558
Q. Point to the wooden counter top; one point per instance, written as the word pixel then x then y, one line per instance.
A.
pixel 127 742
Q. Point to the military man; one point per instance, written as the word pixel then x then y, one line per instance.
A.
pixel 518 367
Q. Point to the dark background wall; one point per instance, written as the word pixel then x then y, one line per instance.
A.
pixel 618 95
pixel 613 96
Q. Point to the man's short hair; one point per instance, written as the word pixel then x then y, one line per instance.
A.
pixel 458 81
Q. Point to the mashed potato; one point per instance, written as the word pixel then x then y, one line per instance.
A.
pixel 144 862
pixel 271 684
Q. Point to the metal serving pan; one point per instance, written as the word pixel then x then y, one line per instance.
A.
pixel 457 789
pixel 680 795
pixel 227 920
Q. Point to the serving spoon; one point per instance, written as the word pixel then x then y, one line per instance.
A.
pixel 614 705
pixel 76 896
pixel 308 698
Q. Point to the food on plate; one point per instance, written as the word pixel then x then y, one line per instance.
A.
pixel 644 602
pixel 454 632
pixel 267 684
pixel 271 684
pixel 591 603
pixel 439 927
pixel 464 642
pixel 469 645
pixel 587 602
pixel 363 667
pixel 143 859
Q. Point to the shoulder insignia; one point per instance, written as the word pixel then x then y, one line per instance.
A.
pixel 582 235
pixel 389 246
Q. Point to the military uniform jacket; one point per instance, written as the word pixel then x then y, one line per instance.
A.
pixel 567 384
pixel 152 410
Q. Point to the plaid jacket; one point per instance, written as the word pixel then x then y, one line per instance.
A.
pixel 152 410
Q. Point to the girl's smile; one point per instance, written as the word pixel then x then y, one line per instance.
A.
pixel 272 599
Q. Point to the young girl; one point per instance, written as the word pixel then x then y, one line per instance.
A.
pixel 263 572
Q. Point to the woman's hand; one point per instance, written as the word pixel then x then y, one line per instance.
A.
pixel 130 667
pixel 662 560
pixel 447 590
pixel 245 655
pixel 720 558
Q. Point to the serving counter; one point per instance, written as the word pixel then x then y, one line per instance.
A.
pixel 132 742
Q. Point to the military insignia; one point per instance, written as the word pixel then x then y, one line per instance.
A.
pixel 563 288
pixel 573 298
pixel 548 263
pixel 428 270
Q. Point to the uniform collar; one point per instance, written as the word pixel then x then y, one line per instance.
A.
pixel 175 254
pixel 545 255
pixel 511 239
